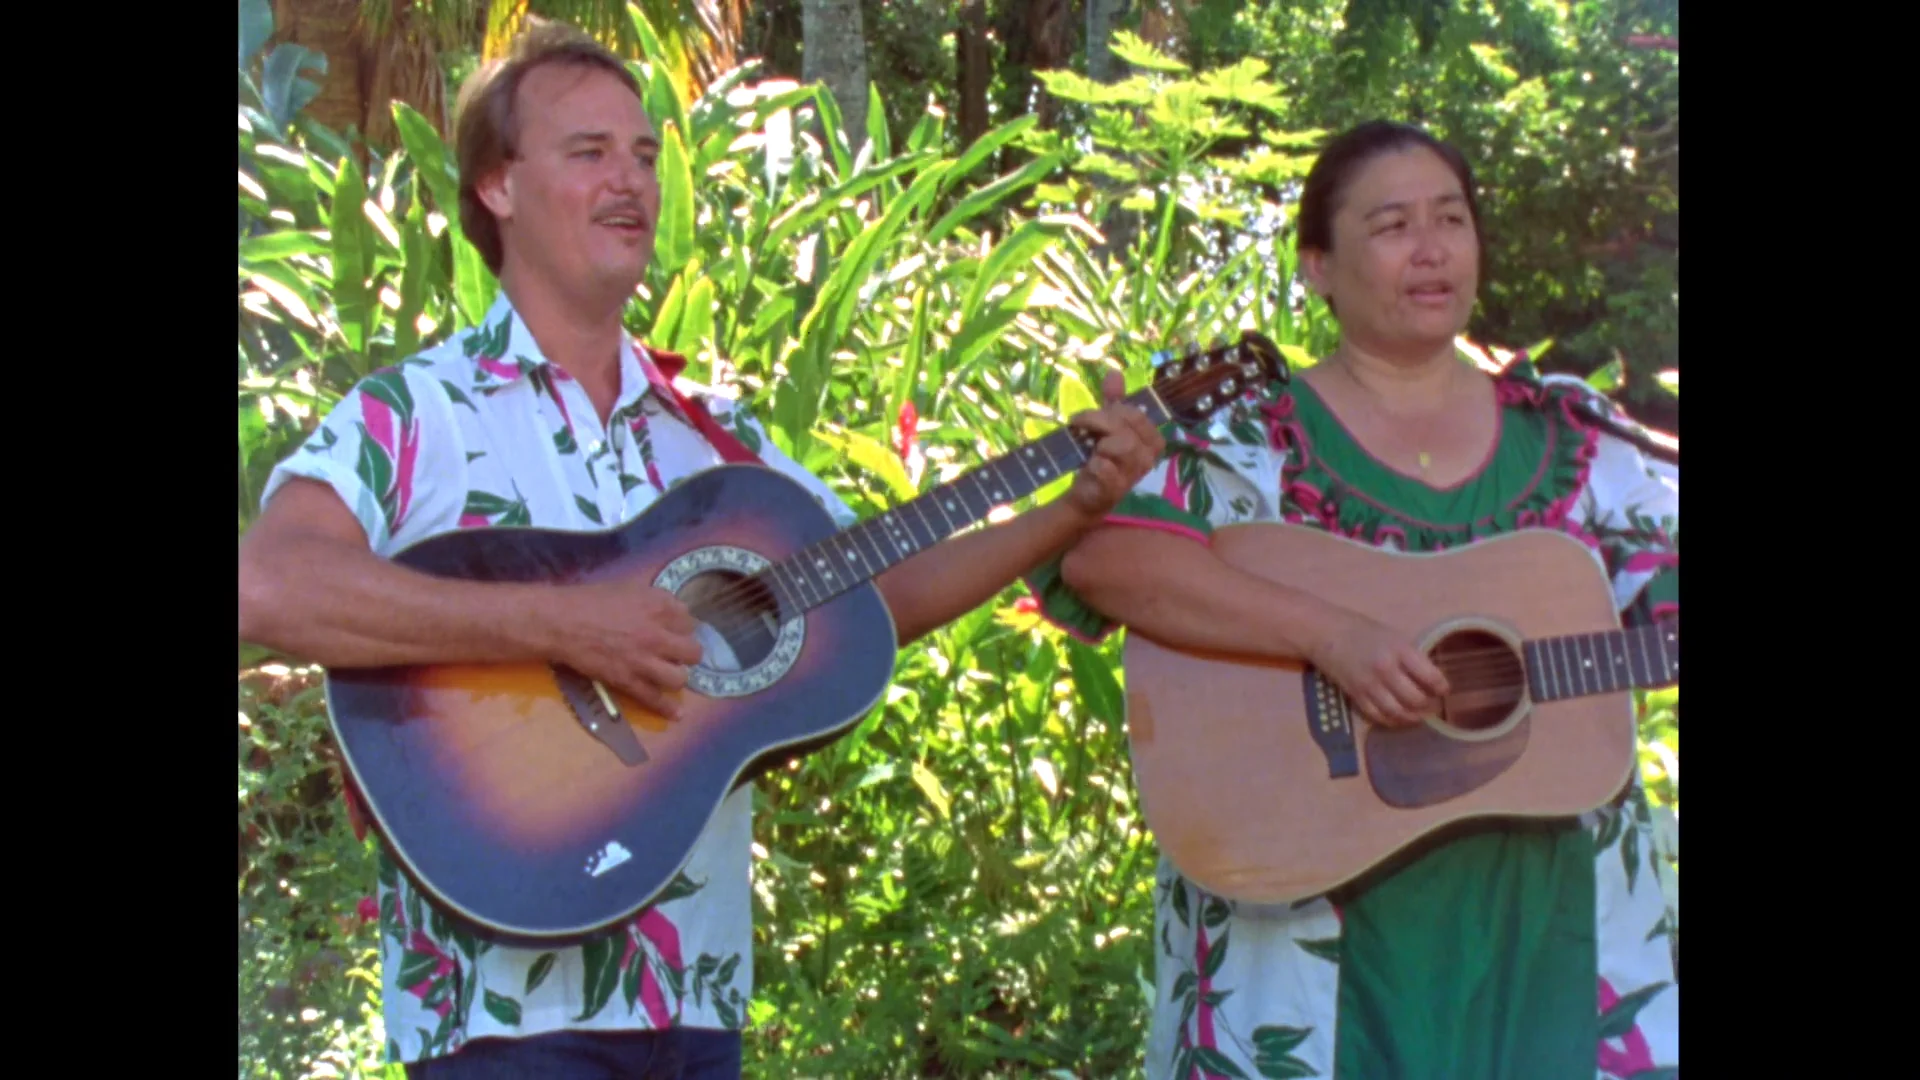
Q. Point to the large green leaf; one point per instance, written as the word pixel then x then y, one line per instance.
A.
pixel 256 25
pixel 872 455
pixel 430 158
pixel 417 279
pixel 281 87
pixel 271 247
pixel 353 297
pixel 1008 258
pixel 474 285
pixel 674 243
pixel 981 200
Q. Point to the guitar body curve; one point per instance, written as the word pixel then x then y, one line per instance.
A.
pixel 497 798
pixel 1259 788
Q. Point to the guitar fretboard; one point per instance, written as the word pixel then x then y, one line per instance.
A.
pixel 819 573
pixel 1642 657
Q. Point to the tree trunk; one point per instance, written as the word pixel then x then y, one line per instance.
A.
pixel 1103 16
pixel 330 27
pixel 367 68
pixel 975 68
pixel 834 51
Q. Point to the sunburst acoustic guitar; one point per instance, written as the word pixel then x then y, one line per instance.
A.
pixel 539 806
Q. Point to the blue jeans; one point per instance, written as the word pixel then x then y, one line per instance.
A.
pixel 673 1054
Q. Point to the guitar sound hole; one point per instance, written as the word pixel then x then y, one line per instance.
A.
pixel 739 618
pixel 1485 676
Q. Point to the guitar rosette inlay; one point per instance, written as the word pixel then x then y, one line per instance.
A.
pixel 749 643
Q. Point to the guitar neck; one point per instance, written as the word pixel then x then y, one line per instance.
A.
pixel 819 573
pixel 1639 658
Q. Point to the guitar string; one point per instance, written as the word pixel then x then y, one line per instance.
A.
pixel 737 600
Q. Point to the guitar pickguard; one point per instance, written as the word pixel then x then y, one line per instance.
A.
pixel 1331 720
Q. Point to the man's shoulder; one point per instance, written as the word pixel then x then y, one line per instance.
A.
pixel 444 372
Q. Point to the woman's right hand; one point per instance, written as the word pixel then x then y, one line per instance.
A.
pixel 1386 675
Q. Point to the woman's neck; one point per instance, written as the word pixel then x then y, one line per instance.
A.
pixel 1402 384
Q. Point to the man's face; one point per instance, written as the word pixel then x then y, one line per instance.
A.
pixel 578 202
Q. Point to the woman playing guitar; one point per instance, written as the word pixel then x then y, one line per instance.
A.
pixel 1478 952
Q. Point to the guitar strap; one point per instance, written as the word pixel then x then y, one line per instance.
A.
pixel 1632 431
pixel 731 449
pixel 1600 411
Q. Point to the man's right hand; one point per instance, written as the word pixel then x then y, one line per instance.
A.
pixel 627 634
pixel 1389 679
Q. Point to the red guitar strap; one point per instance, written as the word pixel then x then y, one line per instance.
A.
pixel 671 365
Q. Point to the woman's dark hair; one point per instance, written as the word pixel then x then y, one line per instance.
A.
pixel 1333 171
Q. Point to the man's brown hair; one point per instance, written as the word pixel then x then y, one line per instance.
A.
pixel 486 131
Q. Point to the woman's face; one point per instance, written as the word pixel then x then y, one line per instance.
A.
pixel 1405 263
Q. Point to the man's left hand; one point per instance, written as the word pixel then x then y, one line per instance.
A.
pixel 1128 448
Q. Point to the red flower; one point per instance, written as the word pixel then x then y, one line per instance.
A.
pixel 909 426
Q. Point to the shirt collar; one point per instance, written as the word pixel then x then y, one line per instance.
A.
pixel 503 352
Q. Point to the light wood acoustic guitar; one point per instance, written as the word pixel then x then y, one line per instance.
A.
pixel 539 806
pixel 1262 783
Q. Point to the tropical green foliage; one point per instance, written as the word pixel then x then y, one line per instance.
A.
pixel 961 886
pixel 1569 113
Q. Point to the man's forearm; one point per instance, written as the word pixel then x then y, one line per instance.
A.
pixel 331 604
pixel 952 578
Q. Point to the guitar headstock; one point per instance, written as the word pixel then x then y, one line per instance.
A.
pixel 1196 385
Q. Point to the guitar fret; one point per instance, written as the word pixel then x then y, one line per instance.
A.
pixel 979 491
pixel 944 502
pixel 1643 671
pixel 1558 664
pixel 1583 652
pixel 820 558
pixel 864 531
pixel 1033 483
pixel 850 543
pixel 1536 683
pixel 1009 487
pixel 1046 447
pixel 776 574
pixel 933 531
pixel 1030 460
pixel 898 534
pixel 1669 667
pixel 811 589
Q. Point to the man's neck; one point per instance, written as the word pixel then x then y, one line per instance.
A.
pixel 579 335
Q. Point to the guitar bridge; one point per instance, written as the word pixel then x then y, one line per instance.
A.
pixel 596 711
pixel 1331 719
